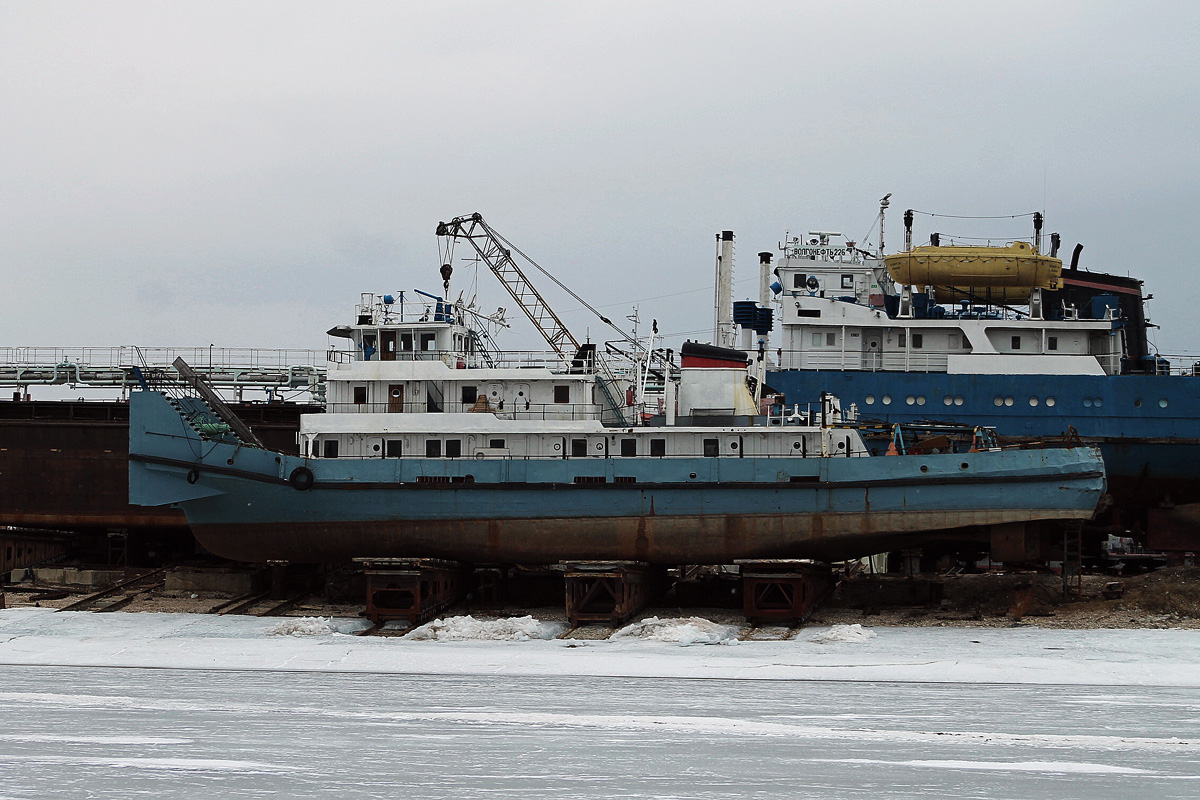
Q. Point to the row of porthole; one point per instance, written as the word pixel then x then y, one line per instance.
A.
pixel 1001 400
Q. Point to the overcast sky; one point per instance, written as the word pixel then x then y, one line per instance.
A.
pixel 189 173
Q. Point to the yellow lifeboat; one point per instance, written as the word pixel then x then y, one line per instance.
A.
pixel 999 274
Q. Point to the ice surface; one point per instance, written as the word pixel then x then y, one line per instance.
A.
pixel 844 633
pixel 685 631
pixel 112 706
pixel 467 628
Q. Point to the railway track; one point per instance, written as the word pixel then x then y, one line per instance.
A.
pixel 120 594
pixel 243 604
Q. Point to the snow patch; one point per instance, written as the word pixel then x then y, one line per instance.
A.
pixel 683 631
pixel 461 629
pixel 844 633
pixel 301 626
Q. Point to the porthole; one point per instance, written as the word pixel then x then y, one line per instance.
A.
pixel 1050 401
pixel 887 399
pixel 797 445
pixel 1162 403
pixel 958 401
pixel 1137 403
pixel 1099 401
pixel 948 400
pixel 375 447
pixel 557 446
pixel 910 399
pixel 1087 402
pixel 1033 401
pixel 964 465
pixel 999 401
pixel 920 399
pixel 692 475
pixel 870 399
pixel 924 468
pixel 733 445
pixel 599 445
pixel 520 394
pixel 1008 401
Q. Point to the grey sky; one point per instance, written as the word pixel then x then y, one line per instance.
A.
pixel 186 173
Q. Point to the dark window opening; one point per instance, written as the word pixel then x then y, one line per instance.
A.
pixel 470 394
pixel 330 448
pixel 428 340
pixel 433 448
pixel 711 448
pixel 578 448
pixel 808 312
pixel 360 395
pixel 658 447
pixel 1052 343
pixel 453 448
pixel 393 448
pixel 902 339
pixel 628 448
pixel 918 340
pixel 799 280
pixel 562 394
pixel 406 341
pixel 1016 343
pixel 496 444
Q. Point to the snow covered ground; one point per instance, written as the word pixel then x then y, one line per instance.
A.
pixel 181 706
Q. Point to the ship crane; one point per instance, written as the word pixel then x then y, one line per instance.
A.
pixel 497 252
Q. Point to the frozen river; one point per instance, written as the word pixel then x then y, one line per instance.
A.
pixel 166 706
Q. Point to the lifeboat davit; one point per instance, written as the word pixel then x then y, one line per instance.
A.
pixel 999 274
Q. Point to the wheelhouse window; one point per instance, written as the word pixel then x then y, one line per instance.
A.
pixel 329 448
pixel 428 341
pixel 562 394
pixel 496 444
pixel 658 447
pixel 406 342
pixel 360 395
pixel 628 448
pixel 799 280
pixel 712 448
pixel 433 448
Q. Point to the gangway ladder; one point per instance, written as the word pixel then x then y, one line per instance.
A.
pixel 1072 564
pixel 191 378
pixel 484 346
pixel 613 401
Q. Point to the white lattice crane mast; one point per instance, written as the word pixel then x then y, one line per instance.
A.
pixel 496 252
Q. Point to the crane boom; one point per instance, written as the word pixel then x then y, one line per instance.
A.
pixel 497 254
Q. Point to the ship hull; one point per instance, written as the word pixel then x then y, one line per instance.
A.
pixel 1145 426
pixel 241 504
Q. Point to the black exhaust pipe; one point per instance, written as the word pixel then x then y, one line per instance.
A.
pixel 1075 256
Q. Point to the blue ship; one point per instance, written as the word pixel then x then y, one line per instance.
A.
pixel 998 336
pixel 433 446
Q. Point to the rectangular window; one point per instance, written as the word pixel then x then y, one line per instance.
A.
pixel 808 312
pixel 433 448
pixel 496 444
pixel 578 448
pixel 628 448
pixel 453 448
pixel 1051 342
pixel 902 339
pixel 428 341
pixel 918 339
pixel 847 281
pixel 393 448
pixel 830 339
pixel 711 448
pixel 469 394
pixel 330 448
pixel 562 394
pixel 799 280
pixel 1016 342
pixel 658 447
pixel 817 339
pixel 406 341
pixel 360 395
